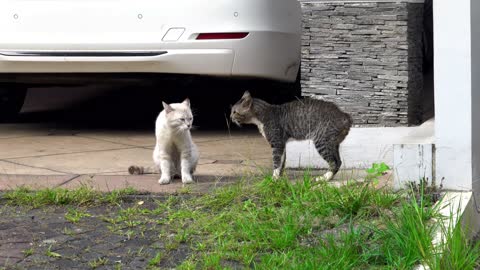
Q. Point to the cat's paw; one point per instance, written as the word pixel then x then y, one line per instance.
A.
pixel 164 181
pixel 326 177
pixel 187 179
pixel 276 174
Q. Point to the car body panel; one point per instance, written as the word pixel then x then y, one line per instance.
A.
pixel 270 50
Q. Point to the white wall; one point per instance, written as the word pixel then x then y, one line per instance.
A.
pixel 453 93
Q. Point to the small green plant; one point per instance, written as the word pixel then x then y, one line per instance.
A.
pixel 68 231
pixel 129 234
pixel 97 262
pixel 351 200
pixel 28 252
pixel 375 171
pixel 74 215
pixel 155 261
pixel 378 169
pixel 188 264
pixel 212 261
pixel 52 254
pixel 185 190
pixel 426 189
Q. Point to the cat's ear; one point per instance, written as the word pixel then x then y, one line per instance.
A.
pixel 246 95
pixel 167 107
pixel 186 102
pixel 247 100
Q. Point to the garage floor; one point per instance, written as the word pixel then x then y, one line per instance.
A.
pixel 42 156
pixel 80 145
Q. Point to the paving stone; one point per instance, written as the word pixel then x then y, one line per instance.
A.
pixel 32 181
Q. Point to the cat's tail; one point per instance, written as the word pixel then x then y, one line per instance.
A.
pixel 142 170
pixel 347 123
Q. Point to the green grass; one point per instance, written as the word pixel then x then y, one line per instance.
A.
pixel 52 254
pixel 457 252
pixel 155 261
pixel 28 252
pixel 75 215
pixel 280 224
pixel 97 262
pixel 82 196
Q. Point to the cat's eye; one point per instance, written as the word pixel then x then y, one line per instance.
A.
pixel 182 119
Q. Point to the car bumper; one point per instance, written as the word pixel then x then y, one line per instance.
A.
pixel 258 56
pixel 174 61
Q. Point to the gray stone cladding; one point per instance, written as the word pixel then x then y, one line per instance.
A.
pixel 366 56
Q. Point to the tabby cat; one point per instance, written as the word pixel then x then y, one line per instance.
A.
pixel 308 119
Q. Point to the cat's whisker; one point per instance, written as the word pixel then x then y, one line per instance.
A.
pixel 228 124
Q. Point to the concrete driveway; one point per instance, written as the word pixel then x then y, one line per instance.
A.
pixel 40 155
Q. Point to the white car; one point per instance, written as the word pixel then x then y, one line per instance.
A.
pixel 228 38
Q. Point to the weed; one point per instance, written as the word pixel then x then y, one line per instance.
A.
pixel 74 215
pixel 155 261
pixel 28 252
pixel 52 254
pixel 429 191
pixel 68 231
pixel 377 170
pixel 211 261
pixel 188 264
pixel 97 262
pixel 129 234
pixel 141 251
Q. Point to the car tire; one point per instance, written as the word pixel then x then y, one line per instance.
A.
pixel 11 101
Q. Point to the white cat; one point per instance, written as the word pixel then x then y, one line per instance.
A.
pixel 174 153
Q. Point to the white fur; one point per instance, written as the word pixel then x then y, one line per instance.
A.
pixel 259 124
pixel 326 177
pixel 175 152
pixel 276 173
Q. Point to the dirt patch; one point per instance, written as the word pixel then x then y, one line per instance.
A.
pixel 44 239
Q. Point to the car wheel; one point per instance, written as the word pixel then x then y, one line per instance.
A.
pixel 11 101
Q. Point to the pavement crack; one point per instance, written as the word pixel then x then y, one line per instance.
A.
pixel 31 166
pixel 68 180
pixel 71 153
pixel 110 141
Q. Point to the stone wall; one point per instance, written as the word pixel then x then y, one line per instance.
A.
pixel 365 56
